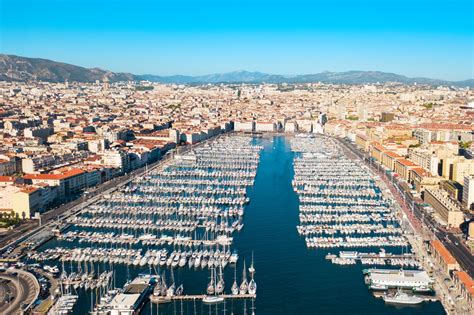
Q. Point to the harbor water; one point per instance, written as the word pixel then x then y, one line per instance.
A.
pixel 292 279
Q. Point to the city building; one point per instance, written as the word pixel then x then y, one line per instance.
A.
pixel 447 211
pixel 465 285
pixel 468 192
pixel 443 257
pixel 69 182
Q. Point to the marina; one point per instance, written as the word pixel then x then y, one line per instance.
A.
pixel 340 204
pixel 267 219
pixel 181 217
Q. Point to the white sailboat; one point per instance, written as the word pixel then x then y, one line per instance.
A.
pixel 235 286
pixel 212 297
pixel 244 284
pixel 252 268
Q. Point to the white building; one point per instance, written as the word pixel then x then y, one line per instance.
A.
pixel 244 126
pixel 265 126
pixel 468 192
pixel 423 135
pixel 118 159
pixel 425 159
pixel 291 126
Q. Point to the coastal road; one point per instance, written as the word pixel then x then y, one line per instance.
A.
pixel 462 254
pixel 22 289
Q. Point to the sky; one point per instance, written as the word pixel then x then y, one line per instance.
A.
pixel 429 38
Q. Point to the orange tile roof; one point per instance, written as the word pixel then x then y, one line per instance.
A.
pixel 379 147
pixel 392 154
pixel 446 126
pixel 407 162
pixel 443 252
pixel 421 171
pixel 466 280
pixel 6 179
pixel 51 176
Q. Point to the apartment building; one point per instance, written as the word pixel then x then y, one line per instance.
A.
pixel 465 285
pixel 468 192
pixel 403 167
pixel 447 210
pixel 7 166
pixel 443 257
pixel 248 126
pixel 456 168
pixel 69 181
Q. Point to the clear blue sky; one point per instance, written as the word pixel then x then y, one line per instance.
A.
pixel 432 38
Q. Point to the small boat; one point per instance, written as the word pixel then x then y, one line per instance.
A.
pixel 212 299
pixel 402 298
pixel 422 289
pixel 179 290
pixel 378 287
pixel 234 257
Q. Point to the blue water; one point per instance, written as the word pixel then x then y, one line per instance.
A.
pixel 291 279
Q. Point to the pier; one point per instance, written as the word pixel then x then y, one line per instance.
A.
pixel 198 297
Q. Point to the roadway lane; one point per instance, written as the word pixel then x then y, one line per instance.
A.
pixel 24 291
pixel 8 291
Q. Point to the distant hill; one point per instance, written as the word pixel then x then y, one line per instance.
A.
pixel 348 77
pixel 15 68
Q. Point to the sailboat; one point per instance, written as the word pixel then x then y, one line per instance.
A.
pixel 220 283
pixel 211 286
pixel 244 285
pixel 157 289
pixel 252 268
pixel 172 287
pixel 252 286
pixel 164 287
pixel 212 297
pixel 235 286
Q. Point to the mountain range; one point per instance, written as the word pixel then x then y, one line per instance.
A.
pixel 16 68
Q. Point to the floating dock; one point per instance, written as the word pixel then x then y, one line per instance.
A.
pixel 196 297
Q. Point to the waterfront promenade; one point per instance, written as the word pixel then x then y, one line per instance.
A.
pixel 422 229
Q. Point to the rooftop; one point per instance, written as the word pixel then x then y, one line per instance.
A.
pixel 443 252
pixel 53 176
